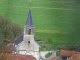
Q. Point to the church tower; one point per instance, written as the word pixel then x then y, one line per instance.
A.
pixel 25 43
pixel 30 45
pixel 29 33
pixel 29 27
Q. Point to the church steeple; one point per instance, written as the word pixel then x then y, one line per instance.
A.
pixel 29 27
pixel 29 22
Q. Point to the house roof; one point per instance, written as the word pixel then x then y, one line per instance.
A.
pixel 18 39
pixel 75 56
pixel 17 57
pixel 29 22
pixel 66 52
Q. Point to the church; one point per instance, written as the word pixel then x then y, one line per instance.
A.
pixel 25 43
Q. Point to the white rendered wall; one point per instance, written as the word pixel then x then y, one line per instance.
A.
pixel 28 46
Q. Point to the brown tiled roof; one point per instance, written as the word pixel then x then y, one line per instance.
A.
pixel 66 52
pixel 16 57
pixel 75 56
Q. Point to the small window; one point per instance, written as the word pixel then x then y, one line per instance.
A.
pixel 29 31
pixel 28 41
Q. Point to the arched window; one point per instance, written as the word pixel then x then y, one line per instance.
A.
pixel 29 31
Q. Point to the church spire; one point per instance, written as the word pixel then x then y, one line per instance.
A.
pixel 29 22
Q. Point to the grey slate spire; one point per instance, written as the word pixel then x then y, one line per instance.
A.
pixel 29 22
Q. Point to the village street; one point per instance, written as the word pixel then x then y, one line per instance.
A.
pixel 43 53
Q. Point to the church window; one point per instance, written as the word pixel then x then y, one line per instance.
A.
pixel 29 31
pixel 28 41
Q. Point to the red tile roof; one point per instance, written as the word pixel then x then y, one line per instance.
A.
pixel 16 57
pixel 66 52
pixel 75 56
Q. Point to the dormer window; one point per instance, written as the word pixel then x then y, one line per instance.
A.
pixel 29 31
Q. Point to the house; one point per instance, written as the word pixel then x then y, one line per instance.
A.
pixel 16 57
pixel 75 56
pixel 65 54
pixel 25 43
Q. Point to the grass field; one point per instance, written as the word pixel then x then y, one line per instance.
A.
pixel 57 22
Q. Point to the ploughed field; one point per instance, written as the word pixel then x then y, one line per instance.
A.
pixel 57 22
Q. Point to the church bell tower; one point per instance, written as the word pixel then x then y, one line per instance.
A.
pixel 29 27
pixel 30 45
pixel 29 33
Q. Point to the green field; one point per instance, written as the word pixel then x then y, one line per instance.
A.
pixel 57 22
